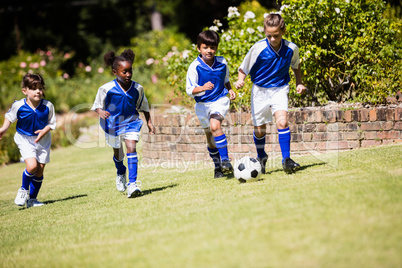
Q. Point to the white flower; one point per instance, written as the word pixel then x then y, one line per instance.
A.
pixel 265 15
pixel 260 29
pixel 217 23
pixel 185 53
pixel 233 12
pixel 320 14
pixel 241 32
pixel 214 28
pixel 337 10
pixel 88 68
pixel 249 15
pixel 228 37
pixel 250 30
pixel 283 7
pixel 347 1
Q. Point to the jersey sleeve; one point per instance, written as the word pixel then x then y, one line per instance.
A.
pixel 99 102
pixel 142 102
pixel 192 81
pixel 52 116
pixel 11 115
pixel 295 61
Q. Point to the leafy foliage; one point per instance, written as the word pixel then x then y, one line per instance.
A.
pixel 348 50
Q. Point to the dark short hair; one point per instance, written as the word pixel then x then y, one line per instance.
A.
pixel 33 81
pixel 112 60
pixel 210 38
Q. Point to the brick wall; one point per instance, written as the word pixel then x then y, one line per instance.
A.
pixel 180 136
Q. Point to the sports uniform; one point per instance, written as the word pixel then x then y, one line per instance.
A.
pixel 122 124
pixel 29 120
pixel 211 102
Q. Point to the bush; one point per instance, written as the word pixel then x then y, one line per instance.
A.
pixel 348 50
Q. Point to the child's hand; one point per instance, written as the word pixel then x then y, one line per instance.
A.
pixel 208 86
pixel 300 88
pixel 239 84
pixel 232 94
pixel 103 114
pixel 2 131
pixel 41 133
pixel 151 128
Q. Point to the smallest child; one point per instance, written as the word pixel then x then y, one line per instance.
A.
pixel 35 118
pixel 208 83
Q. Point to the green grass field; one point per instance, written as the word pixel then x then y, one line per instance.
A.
pixel 341 210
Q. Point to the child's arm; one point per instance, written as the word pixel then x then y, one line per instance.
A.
pixel 300 88
pixel 240 80
pixel 102 113
pixel 5 127
pixel 205 87
pixel 232 94
pixel 41 133
pixel 151 127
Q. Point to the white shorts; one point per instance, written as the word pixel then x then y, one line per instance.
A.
pixel 204 110
pixel 266 101
pixel 30 149
pixel 115 141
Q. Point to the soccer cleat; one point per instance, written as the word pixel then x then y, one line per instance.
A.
pixel 290 166
pixel 218 173
pixel 133 190
pixel 22 197
pixel 34 203
pixel 263 162
pixel 227 167
pixel 121 182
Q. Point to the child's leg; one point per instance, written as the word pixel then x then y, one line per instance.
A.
pixel 132 160
pixel 213 151
pixel 283 133
pixel 36 182
pixel 118 157
pixel 29 172
pixel 219 137
pixel 259 140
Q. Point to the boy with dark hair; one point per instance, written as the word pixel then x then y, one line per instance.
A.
pixel 268 63
pixel 208 83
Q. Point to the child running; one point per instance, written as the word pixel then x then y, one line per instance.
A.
pixel 35 118
pixel 118 104
pixel 268 63
pixel 208 83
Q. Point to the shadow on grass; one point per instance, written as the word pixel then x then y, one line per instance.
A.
pixel 303 167
pixel 64 199
pixel 150 191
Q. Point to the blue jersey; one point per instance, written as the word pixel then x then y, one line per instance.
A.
pixel 269 68
pixel 123 106
pixel 200 73
pixel 30 119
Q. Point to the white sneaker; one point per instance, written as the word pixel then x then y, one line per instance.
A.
pixel 34 203
pixel 133 190
pixel 22 197
pixel 121 182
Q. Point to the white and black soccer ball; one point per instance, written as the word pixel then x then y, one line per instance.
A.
pixel 247 169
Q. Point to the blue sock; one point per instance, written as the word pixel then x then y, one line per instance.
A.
pixel 260 145
pixel 284 142
pixel 26 179
pixel 36 183
pixel 132 162
pixel 222 145
pixel 121 169
pixel 216 157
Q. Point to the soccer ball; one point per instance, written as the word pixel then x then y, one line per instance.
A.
pixel 247 169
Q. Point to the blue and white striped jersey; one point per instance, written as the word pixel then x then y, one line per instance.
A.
pixel 123 106
pixel 30 119
pixel 270 68
pixel 200 73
